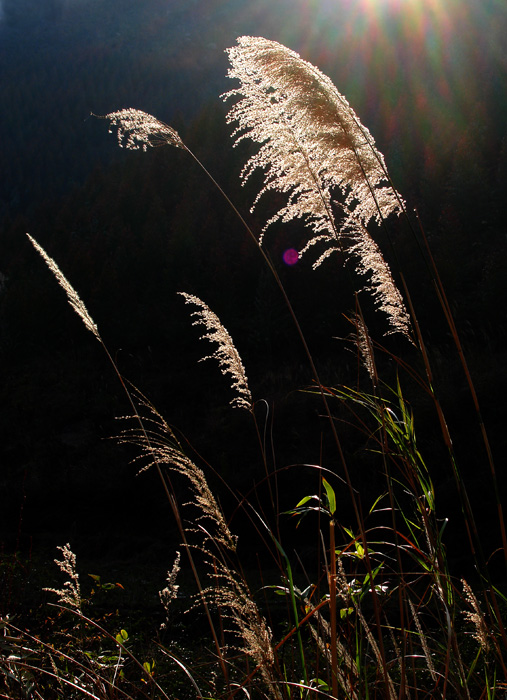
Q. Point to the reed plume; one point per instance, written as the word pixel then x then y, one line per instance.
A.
pixel 232 596
pixel 138 130
pixel 226 354
pixel 72 296
pixel 476 617
pixel 170 591
pixel 312 147
pixel 361 339
pixel 159 447
pixel 70 594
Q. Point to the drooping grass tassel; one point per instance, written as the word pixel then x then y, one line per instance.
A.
pixel 226 354
pixel 312 148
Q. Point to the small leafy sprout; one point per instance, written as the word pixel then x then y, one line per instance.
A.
pixel 103 586
pixel 122 637
pixel 149 668
pixel 359 589
pixel 331 497
pixel 325 503
pixel 320 684
pixel 354 548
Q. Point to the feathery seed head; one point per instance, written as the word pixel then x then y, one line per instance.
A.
pixel 386 294
pixel 226 354
pixel 72 296
pixel 364 345
pixel 142 130
pixel 231 594
pixel 70 594
pixel 311 139
pixel 476 617
pixel 170 592
pixel 160 447
pixel 312 146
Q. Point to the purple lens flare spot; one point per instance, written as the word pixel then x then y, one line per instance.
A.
pixel 291 256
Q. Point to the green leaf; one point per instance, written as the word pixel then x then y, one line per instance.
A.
pixel 149 667
pixel 331 497
pixel 376 502
pixel 122 636
pixel 281 591
pixel 305 500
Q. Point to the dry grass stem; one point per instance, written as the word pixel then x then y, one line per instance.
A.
pixel 376 651
pixel 424 641
pixel 347 672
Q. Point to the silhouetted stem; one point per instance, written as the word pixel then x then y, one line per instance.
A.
pixel 332 608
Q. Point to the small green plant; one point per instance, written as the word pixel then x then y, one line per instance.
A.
pixel 97 580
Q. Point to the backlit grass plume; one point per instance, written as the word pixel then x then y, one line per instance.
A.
pixel 72 296
pixel 159 448
pixel 138 130
pixel 313 147
pixel 226 354
pixel 70 593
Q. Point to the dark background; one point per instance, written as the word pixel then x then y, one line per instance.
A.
pixel 130 229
